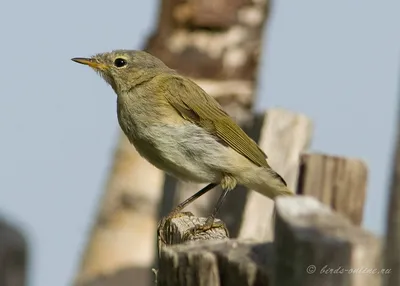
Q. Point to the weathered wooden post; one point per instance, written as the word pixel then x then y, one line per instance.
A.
pixel 313 245
pixel 335 181
pixel 13 256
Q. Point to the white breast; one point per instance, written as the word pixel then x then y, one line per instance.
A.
pixel 187 152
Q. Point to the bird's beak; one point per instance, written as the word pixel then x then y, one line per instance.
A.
pixel 90 62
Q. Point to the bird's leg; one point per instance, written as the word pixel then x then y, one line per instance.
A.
pixel 191 199
pixel 210 222
pixel 176 212
pixel 228 183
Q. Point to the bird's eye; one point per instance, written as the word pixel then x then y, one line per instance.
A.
pixel 119 62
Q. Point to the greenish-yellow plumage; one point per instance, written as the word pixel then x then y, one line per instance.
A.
pixel 179 128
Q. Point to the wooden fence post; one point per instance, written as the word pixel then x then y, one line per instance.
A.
pixel 336 181
pixel 211 259
pixel 315 246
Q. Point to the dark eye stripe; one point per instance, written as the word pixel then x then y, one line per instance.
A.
pixel 119 62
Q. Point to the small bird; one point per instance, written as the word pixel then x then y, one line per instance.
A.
pixel 175 125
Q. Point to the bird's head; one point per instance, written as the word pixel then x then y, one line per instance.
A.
pixel 125 69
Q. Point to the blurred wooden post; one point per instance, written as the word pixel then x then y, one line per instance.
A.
pixel 121 242
pixel 13 256
pixel 392 247
pixel 315 246
pixel 336 181
pixel 284 136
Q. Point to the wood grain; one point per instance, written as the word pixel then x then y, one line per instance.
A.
pixel 176 230
pixel 336 181
pixel 216 263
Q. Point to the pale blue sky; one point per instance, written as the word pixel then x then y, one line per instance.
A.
pixel 336 61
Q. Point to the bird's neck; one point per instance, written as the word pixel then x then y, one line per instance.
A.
pixel 137 79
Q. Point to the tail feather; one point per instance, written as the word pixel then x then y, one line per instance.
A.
pixel 277 176
pixel 273 190
pixel 276 184
pixel 263 180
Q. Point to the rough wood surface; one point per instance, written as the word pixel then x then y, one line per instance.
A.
pixel 284 136
pixel 315 246
pixel 13 256
pixel 336 181
pixel 210 258
pixel 176 230
pixel 392 247
pixel 216 263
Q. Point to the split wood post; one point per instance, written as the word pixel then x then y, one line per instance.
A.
pixel 338 182
pixel 284 136
pixel 315 246
pixel 210 259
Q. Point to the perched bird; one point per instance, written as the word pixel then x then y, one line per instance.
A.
pixel 180 129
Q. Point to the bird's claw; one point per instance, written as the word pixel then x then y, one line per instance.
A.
pixel 201 228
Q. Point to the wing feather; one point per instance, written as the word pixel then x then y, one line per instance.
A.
pixel 204 111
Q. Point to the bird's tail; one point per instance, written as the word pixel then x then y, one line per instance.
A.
pixel 271 184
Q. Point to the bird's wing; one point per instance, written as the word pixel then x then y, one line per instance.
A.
pixel 204 111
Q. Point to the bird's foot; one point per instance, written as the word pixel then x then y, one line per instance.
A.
pixel 201 228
